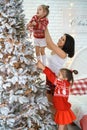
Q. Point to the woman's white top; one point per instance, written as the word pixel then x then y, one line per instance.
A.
pixel 55 62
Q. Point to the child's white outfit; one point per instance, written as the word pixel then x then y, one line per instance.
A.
pixel 39 33
pixel 41 42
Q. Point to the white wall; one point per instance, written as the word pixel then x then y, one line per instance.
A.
pixel 61 12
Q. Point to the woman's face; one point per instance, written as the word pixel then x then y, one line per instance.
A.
pixel 61 41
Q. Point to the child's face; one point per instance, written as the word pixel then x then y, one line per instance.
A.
pixel 60 76
pixel 40 12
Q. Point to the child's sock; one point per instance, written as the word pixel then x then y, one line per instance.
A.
pixel 44 59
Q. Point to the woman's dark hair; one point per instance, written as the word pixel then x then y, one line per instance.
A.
pixel 69 46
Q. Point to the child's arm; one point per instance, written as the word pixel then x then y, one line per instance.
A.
pixel 40 65
pixel 50 75
pixel 32 22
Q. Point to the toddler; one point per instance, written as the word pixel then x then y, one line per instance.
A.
pixel 38 24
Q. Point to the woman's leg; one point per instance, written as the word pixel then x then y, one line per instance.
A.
pixel 50 97
pixel 49 94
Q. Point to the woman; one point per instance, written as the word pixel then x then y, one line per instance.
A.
pixel 64 48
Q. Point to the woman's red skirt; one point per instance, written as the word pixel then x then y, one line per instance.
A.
pixel 64 117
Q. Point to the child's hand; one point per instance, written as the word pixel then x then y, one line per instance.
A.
pixel 34 23
pixel 40 65
pixel 27 27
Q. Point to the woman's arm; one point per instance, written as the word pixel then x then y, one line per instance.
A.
pixel 52 46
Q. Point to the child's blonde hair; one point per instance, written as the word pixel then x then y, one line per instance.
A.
pixel 46 8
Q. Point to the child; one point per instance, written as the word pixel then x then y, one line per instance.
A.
pixel 39 23
pixel 63 81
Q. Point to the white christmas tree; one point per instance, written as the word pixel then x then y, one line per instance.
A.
pixel 23 101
